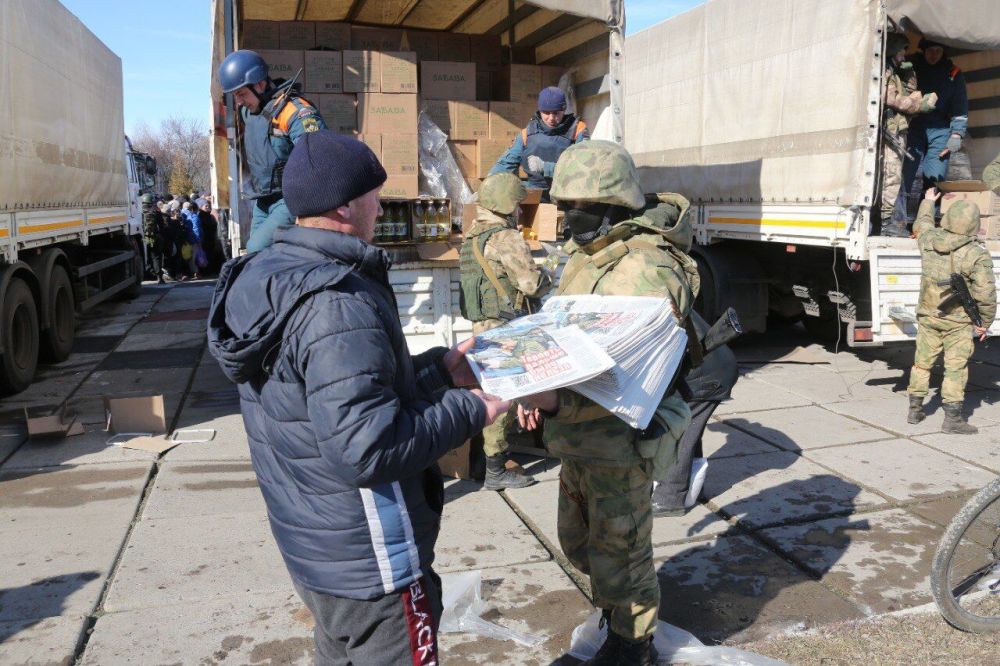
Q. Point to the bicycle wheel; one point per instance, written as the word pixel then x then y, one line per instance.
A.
pixel 965 574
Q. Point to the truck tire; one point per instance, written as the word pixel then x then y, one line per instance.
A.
pixel 57 341
pixel 19 328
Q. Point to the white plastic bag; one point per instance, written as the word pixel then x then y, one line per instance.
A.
pixel 699 470
pixel 673 644
pixel 463 606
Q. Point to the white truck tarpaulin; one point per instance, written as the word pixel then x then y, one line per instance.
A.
pixel 969 24
pixel 701 117
pixel 61 127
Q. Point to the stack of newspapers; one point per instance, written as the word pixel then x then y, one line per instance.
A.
pixel 620 351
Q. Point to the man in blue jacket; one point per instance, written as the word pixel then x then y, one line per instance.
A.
pixel 934 136
pixel 344 425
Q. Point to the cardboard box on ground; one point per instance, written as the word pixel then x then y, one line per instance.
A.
pixel 977 192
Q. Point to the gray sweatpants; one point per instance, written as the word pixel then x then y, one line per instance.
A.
pixel 399 628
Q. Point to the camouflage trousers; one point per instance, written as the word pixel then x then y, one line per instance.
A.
pixel 934 337
pixel 605 530
pixel 495 435
pixel 892 178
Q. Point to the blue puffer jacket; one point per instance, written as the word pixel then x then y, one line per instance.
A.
pixel 344 425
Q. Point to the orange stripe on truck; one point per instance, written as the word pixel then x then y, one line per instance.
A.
pixel 110 218
pixel 51 226
pixel 764 222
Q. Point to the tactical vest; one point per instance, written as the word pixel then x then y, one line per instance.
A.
pixel 479 299
pixel 150 227
pixel 547 144
pixel 895 121
pixel 265 161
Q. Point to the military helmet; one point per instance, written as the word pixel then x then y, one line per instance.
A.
pixel 597 172
pixel 241 68
pixel 501 193
pixel 962 218
pixel 894 43
pixel 147 199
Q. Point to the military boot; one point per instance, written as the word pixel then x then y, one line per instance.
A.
pixel 954 422
pixel 619 651
pixel 916 413
pixel 499 477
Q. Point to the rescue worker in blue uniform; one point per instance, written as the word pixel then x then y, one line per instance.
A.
pixel 538 147
pixel 934 136
pixel 274 119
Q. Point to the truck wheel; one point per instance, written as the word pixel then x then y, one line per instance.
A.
pixel 57 341
pixel 19 327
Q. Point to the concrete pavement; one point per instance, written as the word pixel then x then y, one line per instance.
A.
pixel 822 505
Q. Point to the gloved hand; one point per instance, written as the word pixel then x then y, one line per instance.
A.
pixel 928 103
pixel 954 143
pixel 536 164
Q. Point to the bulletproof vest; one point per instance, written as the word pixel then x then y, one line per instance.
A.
pixel 896 122
pixel 548 144
pixel 478 299
pixel 150 226
pixel 264 161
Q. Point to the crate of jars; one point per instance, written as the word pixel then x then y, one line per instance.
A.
pixel 410 221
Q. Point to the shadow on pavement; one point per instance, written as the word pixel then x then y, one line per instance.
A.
pixel 38 601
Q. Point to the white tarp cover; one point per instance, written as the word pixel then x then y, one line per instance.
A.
pixel 754 100
pixel 969 24
pixel 61 126
pixel 609 11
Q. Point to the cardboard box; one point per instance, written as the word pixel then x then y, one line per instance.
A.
pixel 340 112
pixel 259 35
pixel 518 83
pixel 448 80
pixel 464 153
pixel 53 425
pixel 324 72
pixel 486 51
pixel 423 43
pixel 376 39
pixel 439 110
pixel 520 55
pixel 488 151
pixel 399 155
pixel 549 75
pixel 142 414
pixel 331 35
pixel 373 141
pixel 283 64
pixel 473 184
pixel 973 191
pixel 540 221
pixel 466 462
pixel 399 71
pixel 507 119
pixel 453 46
pixel 387 114
pixel 989 227
pixel 400 187
pixel 298 35
pixel 362 73
pixel 469 120
pixel 484 86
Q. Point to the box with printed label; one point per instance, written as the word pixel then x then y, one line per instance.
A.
pixel 423 43
pixel 453 46
pixel 974 191
pixel 486 51
pixel 376 39
pixel 518 83
pixel 400 187
pixel 507 119
pixel 439 111
pixel 258 35
pixel 387 113
pixel 324 72
pixel 464 153
pixel 340 112
pixel 448 80
pixel 399 154
pixel 298 35
pixel 399 71
pixel 282 64
pixel 362 71
pixel 373 141
pixel 332 35
pixel 488 151
pixel 469 120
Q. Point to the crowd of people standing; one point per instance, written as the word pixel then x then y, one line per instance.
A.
pixel 183 236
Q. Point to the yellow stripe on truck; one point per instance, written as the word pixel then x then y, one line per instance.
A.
pixel 51 226
pixel 112 218
pixel 763 222
pixel 4 233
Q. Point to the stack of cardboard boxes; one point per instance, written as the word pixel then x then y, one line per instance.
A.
pixel 979 193
pixel 372 82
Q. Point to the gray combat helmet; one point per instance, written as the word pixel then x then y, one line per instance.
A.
pixel 501 192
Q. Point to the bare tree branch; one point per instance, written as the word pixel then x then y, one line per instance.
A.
pixel 180 147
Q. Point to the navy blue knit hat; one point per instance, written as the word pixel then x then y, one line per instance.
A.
pixel 327 170
pixel 551 99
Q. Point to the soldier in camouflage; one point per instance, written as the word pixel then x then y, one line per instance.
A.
pixel 901 99
pixel 499 275
pixel 154 238
pixel 991 175
pixel 621 246
pixel 943 326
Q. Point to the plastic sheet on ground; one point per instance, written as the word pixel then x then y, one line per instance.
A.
pixel 464 606
pixel 439 173
pixel 674 645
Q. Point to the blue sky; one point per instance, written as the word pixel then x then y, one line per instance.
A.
pixel 165 49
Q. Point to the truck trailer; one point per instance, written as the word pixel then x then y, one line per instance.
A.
pixel 767 115
pixel 70 221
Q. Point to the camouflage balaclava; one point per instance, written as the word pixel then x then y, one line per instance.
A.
pixel 962 219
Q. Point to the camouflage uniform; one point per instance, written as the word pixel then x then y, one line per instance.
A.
pixel 953 248
pixel 508 255
pixel 605 513
pixel 991 175
pixel 153 236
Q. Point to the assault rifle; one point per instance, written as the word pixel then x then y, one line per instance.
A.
pixel 960 292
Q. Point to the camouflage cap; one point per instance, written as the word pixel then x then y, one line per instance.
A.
pixel 501 193
pixel 962 219
pixel 894 43
pixel 597 172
